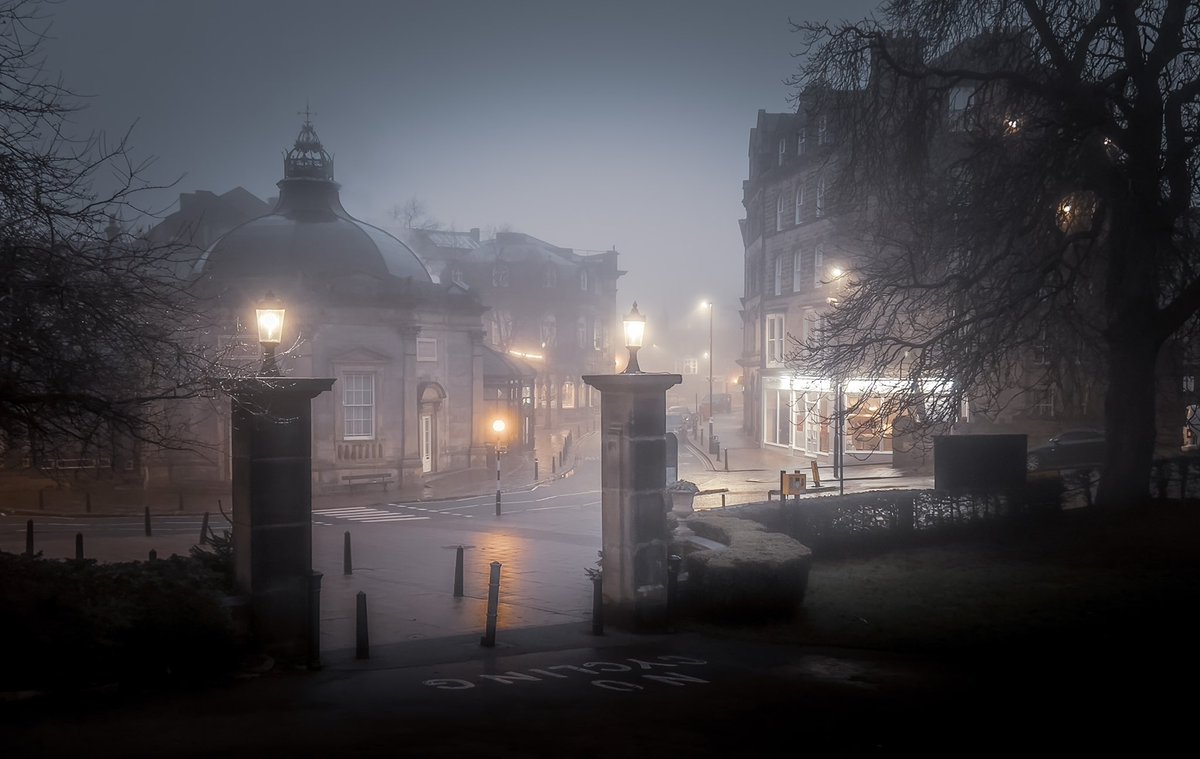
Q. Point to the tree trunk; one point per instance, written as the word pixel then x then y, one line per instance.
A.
pixel 1129 405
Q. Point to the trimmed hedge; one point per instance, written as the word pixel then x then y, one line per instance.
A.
pixel 77 623
pixel 761 576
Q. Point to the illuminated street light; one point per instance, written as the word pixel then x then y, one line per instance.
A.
pixel 635 331
pixel 498 426
pixel 709 305
pixel 270 332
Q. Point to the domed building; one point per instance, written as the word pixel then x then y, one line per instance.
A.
pixel 407 352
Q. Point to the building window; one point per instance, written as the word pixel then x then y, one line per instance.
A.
pixel 583 280
pixel 358 406
pixel 800 139
pixel 456 277
pixel 1041 349
pixel 550 276
pixel 782 150
pixel 780 210
pixel 799 204
pixel 1044 407
pixel 597 335
pixel 499 275
pixel 778 285
pixel 548 330
pixel 797 278
pixel 820 209
pixel 426 349
pixel 568 394
pixel 774 339
pixel 958 107
pixel 823 130
pixel 581 332
pixel 689 366
pixel 819 265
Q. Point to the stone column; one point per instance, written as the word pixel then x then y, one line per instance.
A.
pixel 634 500
pixel 272 511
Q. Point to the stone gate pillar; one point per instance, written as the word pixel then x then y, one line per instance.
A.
pixel 634 500
pixel 272 512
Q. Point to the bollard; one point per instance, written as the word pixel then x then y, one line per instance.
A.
pixel 347 567
pixel 41 500
pixel 87 502
pixel 673 562
pixel 204 529
pixel 553 461
pixel 79 545
pixel 535 469
pixel 597 605
pixel 458 573
pixel 147 520
pixel 362 648
pixel 816 475
pixel 489 634
pixel 153 554
pixel 722 500
pixel 29 537
pixel 726 459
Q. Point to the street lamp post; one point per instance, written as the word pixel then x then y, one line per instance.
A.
pixel 498 427
pixel 269 315
pixel 709 304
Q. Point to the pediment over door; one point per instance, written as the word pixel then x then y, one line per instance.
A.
pixel 359 355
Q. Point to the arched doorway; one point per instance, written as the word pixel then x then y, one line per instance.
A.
pixel 429 407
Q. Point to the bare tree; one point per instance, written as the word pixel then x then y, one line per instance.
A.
pixel 414 215
pixel 1027 176
pixel 99 330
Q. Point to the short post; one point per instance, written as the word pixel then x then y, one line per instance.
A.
pixel 598 605
pixel 489 635
pixel 816 476
pixel 726 459
pixel 673 562
pixel 722 500
pixel 41 500
pixel 79 545
pixel 153 554
pixel 347 566
pixel 458 572
pixel 87 502
pixel 553 464
pixel 204 529
pixel 146 519
pixel 29 537
pixel 362 647
pixel 535 472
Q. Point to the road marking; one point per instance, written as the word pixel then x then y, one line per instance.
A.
pixel 393 518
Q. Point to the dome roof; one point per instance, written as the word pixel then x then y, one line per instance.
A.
pixel 309 232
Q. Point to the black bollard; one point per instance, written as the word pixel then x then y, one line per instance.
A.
pixel 535 468
pixel 347 566
pixel 673 562
pixel 722 500
pixel 204 529
pixel 726 459
pixel 489 634
pixel 458 573
pixel 362 647
pixel 41 501
pixel 147 520
pixel 597 605
pixel 29 537
pixel 153 554
pixel 79 545
pixel 553 464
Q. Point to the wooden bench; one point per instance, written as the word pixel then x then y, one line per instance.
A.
pixel 368 479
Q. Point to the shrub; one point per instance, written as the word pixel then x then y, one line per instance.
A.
pixel 79 623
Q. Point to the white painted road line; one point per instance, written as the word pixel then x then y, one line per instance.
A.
pixel 394 518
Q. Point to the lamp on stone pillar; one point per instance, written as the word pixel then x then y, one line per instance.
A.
pixel 270 332
pixel 634 500
pixel 272 502
pixel 635 332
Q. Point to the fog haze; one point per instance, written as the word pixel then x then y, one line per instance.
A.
pixel 588 125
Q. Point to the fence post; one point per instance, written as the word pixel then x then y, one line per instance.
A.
pixel 204 529
pixel 726 459
pixel 79 545
pixel 147 520
pixel 489 635
pixel 458 572
pixel 362 647
pixel 347 566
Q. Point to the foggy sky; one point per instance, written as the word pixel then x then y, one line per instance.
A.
pixel 585 124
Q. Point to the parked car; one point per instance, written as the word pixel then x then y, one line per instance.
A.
pixel 1072 448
